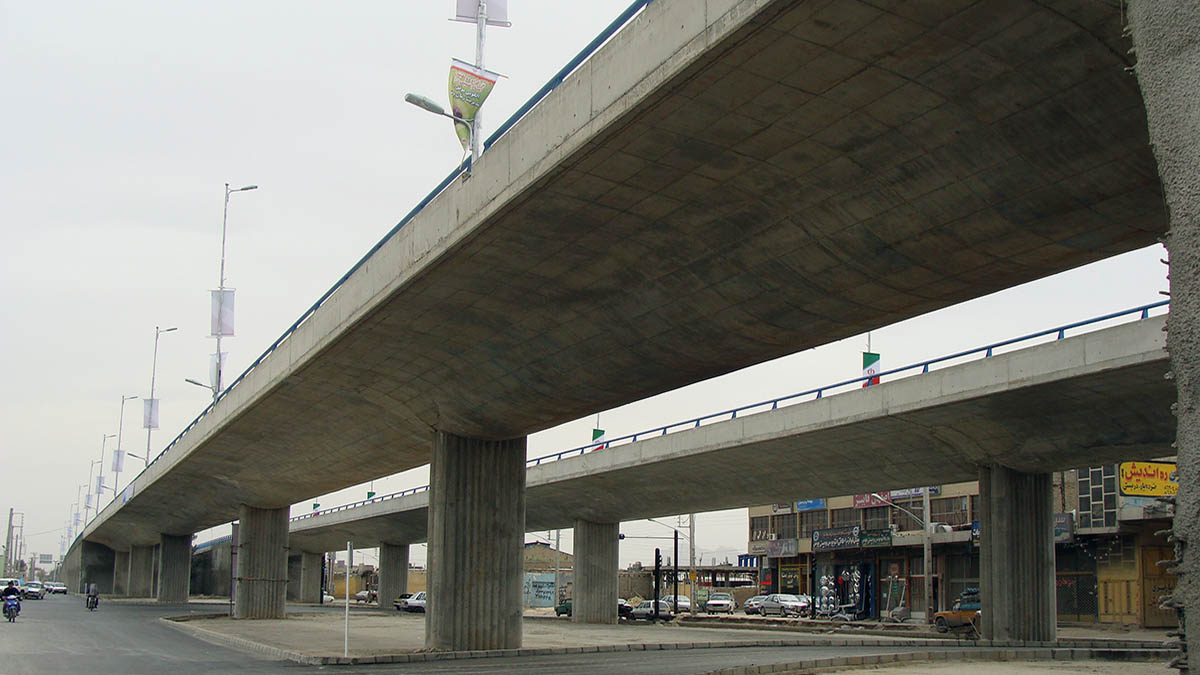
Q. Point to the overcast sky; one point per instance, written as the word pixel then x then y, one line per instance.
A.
pixel 122 122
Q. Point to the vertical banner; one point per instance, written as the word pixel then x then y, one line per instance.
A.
pixel 87 502
pixel 871 368
pixel 468 11
pixel 222 313
pixel 99 487
pixel 212 367
pixel 118 462
pixel 150 413
pixel 75 519
pixel 127 493
pixel 469 88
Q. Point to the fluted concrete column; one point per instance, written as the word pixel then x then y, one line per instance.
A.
pixel 596 564
pixel 393 572
pixel 1016 531
pixel 121 573
pixel 476 543
pixel 294 563
pixel 141 571
pixel 261 564
pixel 174 568
pixel 310 577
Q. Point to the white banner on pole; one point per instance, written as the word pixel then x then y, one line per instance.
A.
pixel 75 521
pixel 212 368
pixel 99 487
pixel 150 413
pixel 118 462
pixel 127 494
pixel 87 503
pixel 468 11
pixel 222 313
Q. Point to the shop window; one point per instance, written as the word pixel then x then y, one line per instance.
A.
pixel 975 513
pixel 759 528
pixel 813 520
pixel 905 521
pixel 843 517
pixel 952 510
pixel 877 517
pixel 783 525
pixel 1098 496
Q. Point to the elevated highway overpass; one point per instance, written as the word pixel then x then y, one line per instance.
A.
pixel 719 184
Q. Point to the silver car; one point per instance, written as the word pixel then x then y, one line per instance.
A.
pixel 685 603
pixel 645 611
pixel 720 602
pixel 754 605
pixel 785 604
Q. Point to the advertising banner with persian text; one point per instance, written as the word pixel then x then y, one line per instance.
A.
pixel 1149 479
pixel 469 88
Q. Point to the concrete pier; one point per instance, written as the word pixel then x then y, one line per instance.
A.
pixel 310 577
pixel 141 571
pixel 294 563
pixel 596 565
pixel 262 564
pixel 97 566
pixel 121 573
pixel 476 536
pixel 174 568
pixel 393 572
pixel 1016 569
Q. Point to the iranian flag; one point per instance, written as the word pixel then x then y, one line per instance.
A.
pixel 870 368
pixel 598 440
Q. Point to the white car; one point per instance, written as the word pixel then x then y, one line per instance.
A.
pixel 720 602
pixel 685 603
pixel 415 602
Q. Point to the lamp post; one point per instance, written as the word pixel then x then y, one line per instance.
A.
pixel 150 416
pixel 118 459
pixel 926 545
pixel 219 324
pixel 432 106
pixel 100 473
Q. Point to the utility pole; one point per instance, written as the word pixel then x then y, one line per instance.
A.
pixel 8 542
pixel 557 545
pixel 692 556
pixel 927 544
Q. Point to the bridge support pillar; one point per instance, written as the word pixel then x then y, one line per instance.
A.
pixel 121 573
pixel 97 566
pixel 294 563
pixel 262 564
pixel 310 577
pixel 596 564
pixel 141 571
pixel 393 572
pixel 1016 570
pixel 476 543
pixel 174 568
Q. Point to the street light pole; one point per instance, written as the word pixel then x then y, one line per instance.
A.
pixel 100 473
pixel 120 430
pixel 926 545
pixel 220 327
pixel 151 415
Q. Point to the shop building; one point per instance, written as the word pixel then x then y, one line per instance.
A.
pixel 860 556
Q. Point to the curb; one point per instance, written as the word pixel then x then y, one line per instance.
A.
pixel 998 655
pixel 995 653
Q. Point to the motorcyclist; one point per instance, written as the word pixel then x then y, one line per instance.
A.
pixel 11 591
pixel 93 596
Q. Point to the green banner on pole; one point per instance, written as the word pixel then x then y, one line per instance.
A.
pixel 469 88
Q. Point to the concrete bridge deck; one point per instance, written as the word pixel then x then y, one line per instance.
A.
pixel 722 183
pixel 1085 400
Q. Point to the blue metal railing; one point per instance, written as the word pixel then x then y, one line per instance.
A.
pixel 553 83
pixel 1059 332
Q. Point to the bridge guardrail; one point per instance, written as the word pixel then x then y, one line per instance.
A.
pixel 1060 332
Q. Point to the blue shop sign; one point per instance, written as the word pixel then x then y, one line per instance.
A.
pixel 810 505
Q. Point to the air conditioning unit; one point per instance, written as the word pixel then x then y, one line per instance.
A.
pixel 772 537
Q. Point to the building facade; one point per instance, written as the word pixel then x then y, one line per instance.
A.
pixel 860 556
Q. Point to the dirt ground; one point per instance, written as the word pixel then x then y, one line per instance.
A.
pixel 1014 667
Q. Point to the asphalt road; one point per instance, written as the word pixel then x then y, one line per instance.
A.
pixel 58 635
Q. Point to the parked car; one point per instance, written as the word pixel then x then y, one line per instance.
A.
pixel 964 614
pixel 785 604
pixel 645 611
pixel 720 602
pixel 415 602
pixel 685 603
pixel 399 601
pixel 34 590
pixel 326 598
pixel 366 596
pixel 753 605
pixel 563 607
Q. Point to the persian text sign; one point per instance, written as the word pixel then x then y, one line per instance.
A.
pixel 836 538
pixel 1149 479
pixel 469 88
pixel 810 505
pixel 876 538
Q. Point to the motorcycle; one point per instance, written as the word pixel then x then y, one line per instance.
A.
pixel 12 607
pixel 93 601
